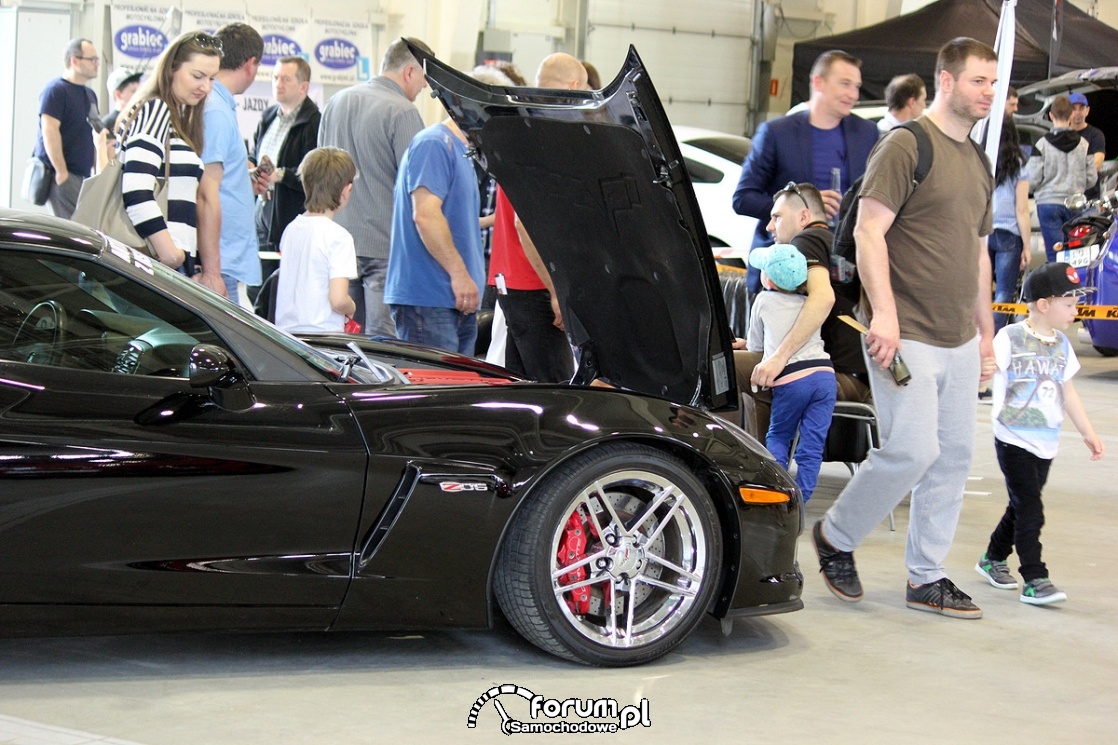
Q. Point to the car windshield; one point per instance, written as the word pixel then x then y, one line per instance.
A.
pixel 328 366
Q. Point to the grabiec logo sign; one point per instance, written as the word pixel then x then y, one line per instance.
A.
pixel 337 54
pixel 550 716
pixel 277 46
pixel 141 41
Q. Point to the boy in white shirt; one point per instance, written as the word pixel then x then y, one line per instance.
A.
pixel 1032 391
pixel 317 256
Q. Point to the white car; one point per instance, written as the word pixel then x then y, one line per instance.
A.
pixel 713 161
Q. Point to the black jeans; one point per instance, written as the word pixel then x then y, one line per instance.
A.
pixel 536 349
pixel 1020 526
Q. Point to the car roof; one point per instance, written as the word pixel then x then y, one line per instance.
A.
pixel 33 228
pixel 1076 80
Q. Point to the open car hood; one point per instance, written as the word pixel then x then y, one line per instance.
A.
pixel 599 182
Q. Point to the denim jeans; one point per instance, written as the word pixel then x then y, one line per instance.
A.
pixel 445 328
pixel 1052 218
pixel 237 290
pixel 1005 257
pixel 1020 526
pixel 367 292
pixel 805 404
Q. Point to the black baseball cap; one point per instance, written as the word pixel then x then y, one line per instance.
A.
pixel 1057 279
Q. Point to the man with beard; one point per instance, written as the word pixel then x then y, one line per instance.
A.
pixel 926 280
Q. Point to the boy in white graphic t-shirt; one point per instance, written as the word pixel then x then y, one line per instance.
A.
pixel 1032 390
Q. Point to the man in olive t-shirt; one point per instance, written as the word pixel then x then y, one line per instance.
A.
pixel 926 280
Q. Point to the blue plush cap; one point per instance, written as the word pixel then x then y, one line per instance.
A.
pixel 1078 98
pixel 783 262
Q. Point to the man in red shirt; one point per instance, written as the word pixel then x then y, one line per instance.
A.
pixel 537 347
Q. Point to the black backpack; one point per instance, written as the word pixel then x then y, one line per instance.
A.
pixel 844 251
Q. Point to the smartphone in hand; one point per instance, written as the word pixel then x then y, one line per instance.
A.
pixel 265 167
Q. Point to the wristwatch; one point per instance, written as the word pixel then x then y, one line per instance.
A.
pixel 280 173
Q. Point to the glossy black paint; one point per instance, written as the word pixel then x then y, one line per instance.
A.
pixel 510 440
pixel 138 503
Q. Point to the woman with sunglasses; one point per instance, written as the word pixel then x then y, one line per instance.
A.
pixel 164 121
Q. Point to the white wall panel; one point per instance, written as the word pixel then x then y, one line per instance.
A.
pixel 699 95
pixel 32 43
pixel 728 15
pixel 698 55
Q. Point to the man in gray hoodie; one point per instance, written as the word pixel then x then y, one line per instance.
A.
pixel 1059 167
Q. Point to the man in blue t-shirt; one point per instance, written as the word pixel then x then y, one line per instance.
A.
pixel 227 245
pixel 436 267
pixel 65 141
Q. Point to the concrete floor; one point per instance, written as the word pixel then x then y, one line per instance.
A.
pixel 875 672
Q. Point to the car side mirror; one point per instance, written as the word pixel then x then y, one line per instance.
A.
pixel 212 368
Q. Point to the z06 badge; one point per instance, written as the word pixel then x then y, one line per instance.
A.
pixel 463 486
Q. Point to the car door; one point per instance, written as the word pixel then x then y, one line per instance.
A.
pixel 122 484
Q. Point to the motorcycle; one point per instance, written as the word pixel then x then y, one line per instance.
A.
pixel 1091 247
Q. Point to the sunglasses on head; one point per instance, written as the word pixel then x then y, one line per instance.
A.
pixel 793 188
pixel 208 41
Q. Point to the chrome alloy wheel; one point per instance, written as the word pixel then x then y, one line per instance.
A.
pixel 629 560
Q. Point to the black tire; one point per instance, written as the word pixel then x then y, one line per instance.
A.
pixel 1107 351
pixel 659 567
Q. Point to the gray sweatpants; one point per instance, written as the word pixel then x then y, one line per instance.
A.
pixel 927 443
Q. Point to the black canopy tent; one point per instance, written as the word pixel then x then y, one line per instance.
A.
pixel 909 43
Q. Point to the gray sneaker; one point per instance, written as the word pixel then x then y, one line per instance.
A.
pixel 943 597
pixel 1041 592
pixel 996 573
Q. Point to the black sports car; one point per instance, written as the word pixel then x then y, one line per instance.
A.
pixel 171 462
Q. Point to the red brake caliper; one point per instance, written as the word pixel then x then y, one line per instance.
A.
pixel 572 549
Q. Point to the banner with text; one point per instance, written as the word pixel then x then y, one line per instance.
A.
pixel 343 46
pixel 211 18
pixel 141 31
pixel 285 35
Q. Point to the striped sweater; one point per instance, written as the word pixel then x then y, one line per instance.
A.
pixel 142 157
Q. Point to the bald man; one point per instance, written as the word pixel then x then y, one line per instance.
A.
pixel 537 347
pixel 562 71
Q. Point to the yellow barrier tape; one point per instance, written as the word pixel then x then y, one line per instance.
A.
pixel 1090 312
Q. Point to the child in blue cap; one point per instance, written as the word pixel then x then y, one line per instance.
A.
pixel 804 392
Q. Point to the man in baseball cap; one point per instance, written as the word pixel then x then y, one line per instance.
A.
pixel 122 83
pixel 1057 279
pixel 1096 140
